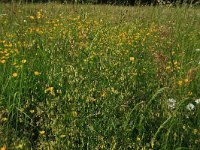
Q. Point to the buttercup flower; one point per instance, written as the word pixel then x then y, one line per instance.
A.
pixel 74 114
pixel 49 89
pixel 189 93
pixel 3 61
pixel 186 80
pixel 24 61
pixel 180 83
pixel 42 132
pixel 14 74
pixel 31 17
pixel 3 148
pixel 132 58
pixel 36 73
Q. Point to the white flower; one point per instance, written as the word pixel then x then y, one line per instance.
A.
pixel 198 50
pixel 25 21
pixel 3 14
pixel 171 103
pixel 197 101
pixel 190 106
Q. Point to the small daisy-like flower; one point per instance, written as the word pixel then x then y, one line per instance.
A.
pixel 197 101
pixel 190 106
pixel 171 103
pixel 36 73
pixel 132 59
pixel 14 74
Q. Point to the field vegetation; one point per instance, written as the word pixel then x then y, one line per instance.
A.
pixel 99 77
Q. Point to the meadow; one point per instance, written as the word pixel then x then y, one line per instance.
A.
pixel 99 77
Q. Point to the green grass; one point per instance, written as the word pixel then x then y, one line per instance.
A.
pixel 99 77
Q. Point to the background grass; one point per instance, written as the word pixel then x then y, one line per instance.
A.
pixel 99 77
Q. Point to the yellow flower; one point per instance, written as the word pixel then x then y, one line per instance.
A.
pixel 189 93
pixel 186 80
pixel 18 66
pixel 138 139
pixel 8 45
pixel 102 146
pixel 14 74
pixel 49 89
pixel 14 63
pixel 168 67
pixel 4 119
pixel 132 59
pixel 36 73
pixel 42 132
pixel 24 61
pixel 3 61
pixel 74 114
pixel 32 111
pixel 103 94
pixel 92 99
pixel 195 131
pixel 39 15
pixel 180 83
pixel 32 17
pixel 114 90
pixel 3 148
pixel 20 146
pixel 62 136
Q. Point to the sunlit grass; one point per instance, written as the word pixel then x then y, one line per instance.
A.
pixel 99 77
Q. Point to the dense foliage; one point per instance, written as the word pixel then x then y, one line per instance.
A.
pixel 76 77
